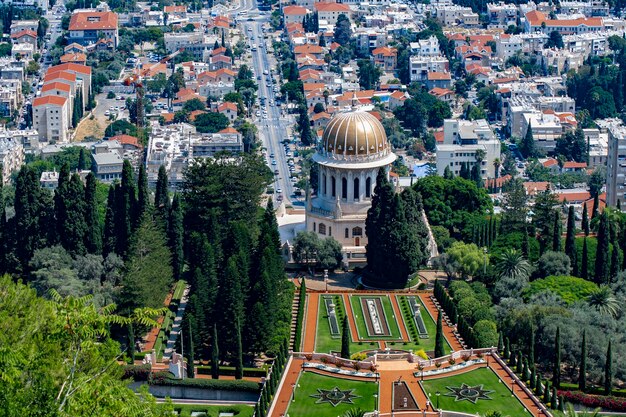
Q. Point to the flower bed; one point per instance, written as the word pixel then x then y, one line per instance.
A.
pixel 594 401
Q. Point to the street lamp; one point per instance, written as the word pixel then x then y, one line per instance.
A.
pixel 326 279
pixel 375 402
pixel 293 392
pixel 437 394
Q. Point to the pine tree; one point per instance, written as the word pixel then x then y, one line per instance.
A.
pixel 608 371
pixel 215 355
pixel 570 240
pixel 176 237
pixel 582 371
pixel 556 372
pixel 345 339
pixel 191 368
pixel 238 351
pixel 231 303
pixel 584 263
pixel 109 243
pixel 556 230
pixel 601 275
pixel 93 235
pixel 439 340
pixel 143 196
pixel 585 220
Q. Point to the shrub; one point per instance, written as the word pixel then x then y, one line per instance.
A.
pixel 358 356
pixel 570 289
pixel 230 371
pixel 217 384
pixel 595 401
pixel 137 372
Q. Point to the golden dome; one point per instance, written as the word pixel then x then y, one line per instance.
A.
pixel 355 134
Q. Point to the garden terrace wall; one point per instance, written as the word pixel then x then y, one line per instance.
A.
pixel 190 392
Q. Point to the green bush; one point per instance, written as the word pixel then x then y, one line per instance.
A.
pixel 570 289
pixel 217 384
pixel 137 372
pixel 230 371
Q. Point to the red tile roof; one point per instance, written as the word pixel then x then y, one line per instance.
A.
pixel 332 7
pixel 63 75
pixel 55 86
pixel 175 9
pixel 49 100
pixel 433 75
pixel 93 21
pixel 228 130
pixel 126 140
pixel 24 32
pixel 537 18
pixel 575 165
pixel 294 11
pixel 227 105
pixel 82 69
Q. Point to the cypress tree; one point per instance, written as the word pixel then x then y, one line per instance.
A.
pixel 191 368
pixel 507 348
pixel 69 204
pixel 109 244
pixel 585 220
pixel 533 378
pixel 525 244
pixel 539 387
pixel 525 375
pixel 556 372
pixel 520 362
pixel 584 263
pixel 83 163
pixel 553 398
pixel 596 203
pixel 143 197
pixel 500 342
pixel 93 236
pixel 582 371
pixel 561 404
pixel 608 371
pixel 602 253
pixel 131 342
pixel 238 351
pixel 345 338
pixel 439 341
pixel 161 197
pixel 570 240
pixel 176 237
pixel 527 146
pixel 556 228
pixel 126 198
pixel 513 361
pixel 546 393
pixel 531 347
pixel 215 355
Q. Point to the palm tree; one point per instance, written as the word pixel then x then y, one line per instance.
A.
pixel 511 264
pixel 354 412
pixel 496 164
pixel 604 301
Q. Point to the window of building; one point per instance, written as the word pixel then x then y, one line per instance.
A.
pixel 357 190
pixel 368 187
pixel 344 188
pixel 313 226
pixel 322 229
pixel 330 231
pixel 333 186
pixel 346 233
pixel 324 184
pixel 357 231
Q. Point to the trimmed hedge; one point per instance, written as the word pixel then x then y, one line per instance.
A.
pixel 137 372
pixel 594 401
pixel 297 340
pixel 217 384
pixel 566 386
pixel 230 371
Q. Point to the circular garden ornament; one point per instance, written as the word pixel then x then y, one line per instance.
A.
pixel 467 393
pixel 334 396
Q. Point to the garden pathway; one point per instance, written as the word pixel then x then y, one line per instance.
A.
pixel 178 320
pixel 350 313
pixel 517 390
pixel 310 321
pixel 448 331
pixel 397 311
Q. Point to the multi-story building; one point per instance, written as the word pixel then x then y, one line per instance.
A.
pixel 108 166
pixel 196 43
pixel 501 15
pixel 34 4
pixel 426 47
pixel 330 12
pixel 294 14
pixel 537 21
pixel 25 36
pixel 20 25
pixel 616 164
pixel 467 142
pixel 546 129
pixel 11 157
pixel 598 141
pixel 456 15
pixel 51 118
pixel 368 39
pixel 88 27
pixel 420 66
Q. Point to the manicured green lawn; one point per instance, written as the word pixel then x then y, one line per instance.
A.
pixel 355 301
pixel 324 342
pixel 185 410
pixel 501 397
pixel 427 345
pixel 308 384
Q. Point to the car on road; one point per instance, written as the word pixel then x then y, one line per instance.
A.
pixel 276 172
pixel 273 162
pixel 279 190
pixel 272 155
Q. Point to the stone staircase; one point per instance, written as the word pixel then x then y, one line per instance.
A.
pixel 295 306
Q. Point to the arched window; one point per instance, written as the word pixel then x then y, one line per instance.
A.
pixel 314 226
pixel 368 187
pixel 322 229
pixel 330 231
pixel 324 184
pixel 344 188
pixel 333 186
pixel 357 189
pixel 357 231
pixel 347 234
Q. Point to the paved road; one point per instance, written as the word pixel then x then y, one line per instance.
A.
pixel 273 129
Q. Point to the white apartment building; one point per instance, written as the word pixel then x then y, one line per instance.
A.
pixel 420 66
pixel 546 128
pixel 51 118
pixel 598 141
pixel 462 139
pixel 456 15
pixel 501 15
pixel 526 43
pixel 560 61
pixel 616 164
pixel 426 47
pixel 11 157
pixel 197 44
pixel 20 25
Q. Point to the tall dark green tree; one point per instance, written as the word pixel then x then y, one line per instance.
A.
pixel 596 204
pixel 527 144
pixel 109 244
pixel 175 233
pixel 93 235
pixel 585 220
pixel 69 204
pixel 191 366
pixel 126 198
pixel 556 232
pixel 161 197
pixel 570 240
pixel 601 275
pixel 143 196
pixel 231 304
pixel 215 355
pixel 345 338
pixel 238 351
pixel 439 338
pixel 608 371
pixel 131 342
pixel 615 263
pixel 84 160
pixel 556 371
pixel 584 261
pixel 582 370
